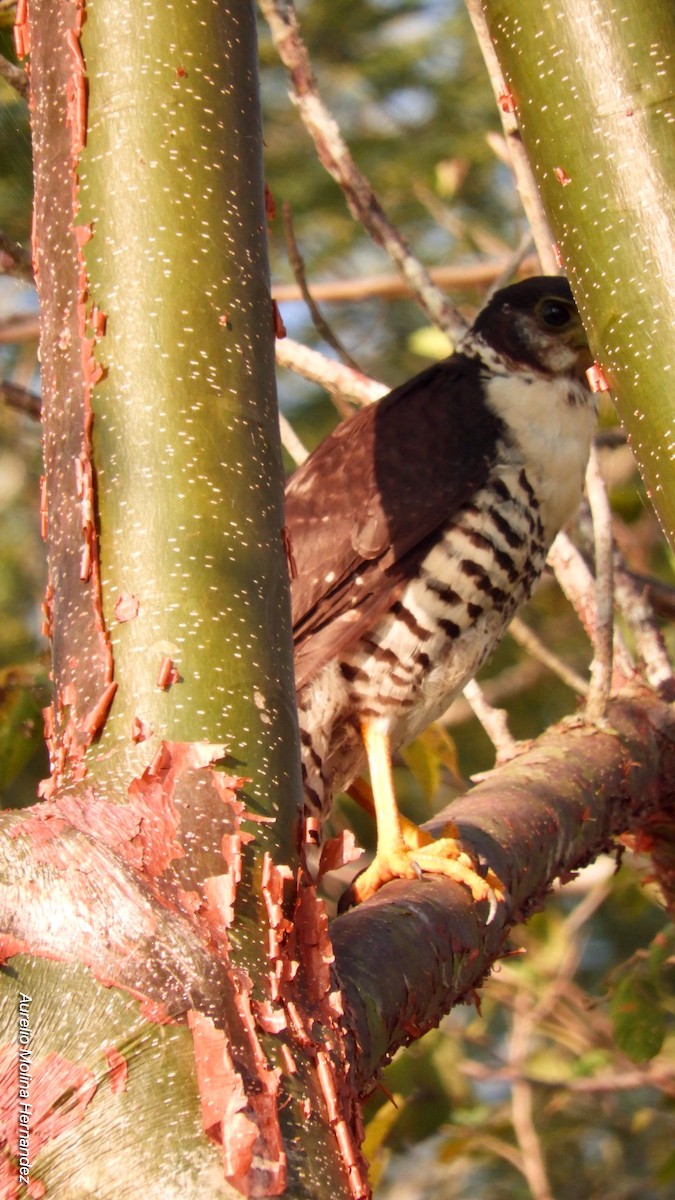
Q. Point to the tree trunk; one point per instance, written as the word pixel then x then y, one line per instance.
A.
pixel 591 88
pixel 198 992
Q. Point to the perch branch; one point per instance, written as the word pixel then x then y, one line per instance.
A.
pixel 408 955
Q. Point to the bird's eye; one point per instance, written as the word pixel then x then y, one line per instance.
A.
pixel 555 314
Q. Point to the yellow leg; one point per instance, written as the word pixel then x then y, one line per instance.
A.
pixel 403 850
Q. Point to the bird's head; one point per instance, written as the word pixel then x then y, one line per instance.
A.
pixel 536 324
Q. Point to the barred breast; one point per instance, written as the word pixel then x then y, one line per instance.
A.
pixel 434 637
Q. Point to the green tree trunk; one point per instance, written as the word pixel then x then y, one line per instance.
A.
pixel 195 1026
pixel 592 86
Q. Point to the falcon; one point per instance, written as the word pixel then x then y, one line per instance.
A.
pixel 417 528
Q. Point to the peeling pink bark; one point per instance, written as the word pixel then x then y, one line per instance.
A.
pixel 126 608
pixel 118 1070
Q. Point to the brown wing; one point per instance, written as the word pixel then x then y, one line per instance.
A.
pixel 363 509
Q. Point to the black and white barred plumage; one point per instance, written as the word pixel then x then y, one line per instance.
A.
pixel 423 522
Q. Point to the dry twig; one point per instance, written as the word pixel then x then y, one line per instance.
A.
pixel 291 442
pixel 15 76
pixel 335 377
pixel 522 1115
pixel 391 287
pixel 493 720
pixel 635 597
pixel 601 667
pixel 335 156
pixel 298 267
pixel 527 638
pixel 20 399
pixel 578 585
pixel 527 188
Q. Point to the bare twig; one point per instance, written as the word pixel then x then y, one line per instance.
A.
pixel 291 442
pixel 512 681
pixel 336 158
pixel 15 76
pixel 661 595
pixel 533 1163
pixel 527 638
pixel 635 597
pixel 20 399
pixel 601 667
pixel 388 287
pixel 335 377
pixel 662 1078
pixel 578 585
pixel 527 188
pixel 482 238
pixel 494 722
pixel 515 259
pixel 19 329
pixel 298 267
pixel 14 260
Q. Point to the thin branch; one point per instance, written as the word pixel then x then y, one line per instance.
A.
pixel 635 597
pixel 15 76
pixel 391 287
pixel 19 329
pixel 291 442
pixel 533 1163
pixel 493 720
pixel 14 260
pixel 20 399
pixel 298 267
pixel 335 156
pixel 659 1077
pixel 501 1149
pixel 601 667
pixel 661 595
pixel 527 188
pixel 527 638
pixel 510 682
pixel 516 258
pixel 336 378
pixel 482 238
pixel 578 585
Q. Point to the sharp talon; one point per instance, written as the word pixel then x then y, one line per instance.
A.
pixel 416 868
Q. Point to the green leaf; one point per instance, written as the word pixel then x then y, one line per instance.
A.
pixel 638 1019
pixel 425 757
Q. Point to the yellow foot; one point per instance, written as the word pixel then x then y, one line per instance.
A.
pixel 420 854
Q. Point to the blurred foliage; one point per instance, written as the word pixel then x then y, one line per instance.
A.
pixel 543 1058
pixel 588 1009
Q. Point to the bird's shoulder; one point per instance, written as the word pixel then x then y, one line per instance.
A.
pixel 362 509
